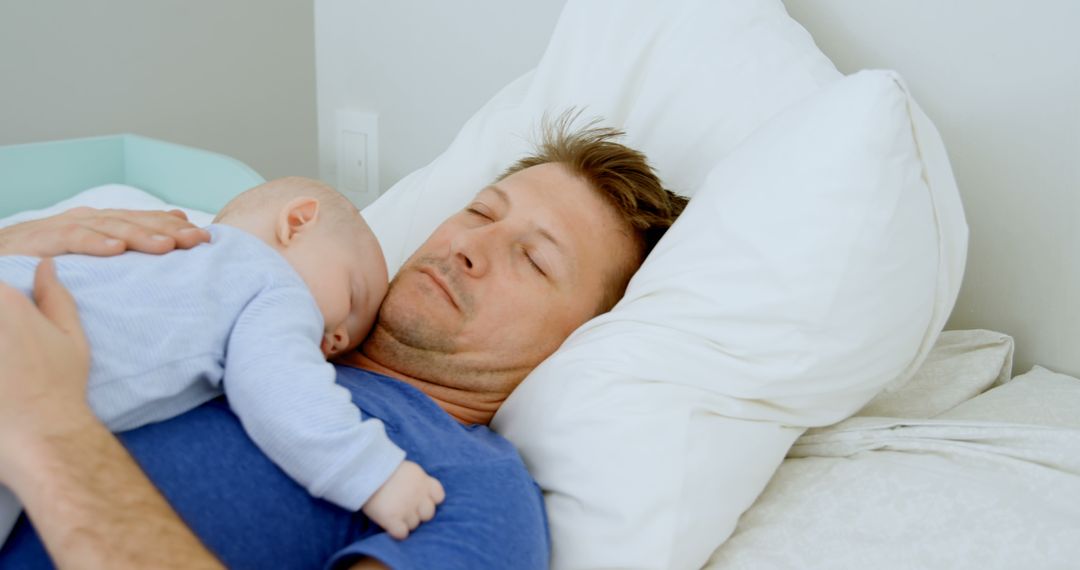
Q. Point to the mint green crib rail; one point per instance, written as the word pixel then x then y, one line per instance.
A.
pixel 37 175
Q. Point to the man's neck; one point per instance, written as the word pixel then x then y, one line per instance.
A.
pixel 465 406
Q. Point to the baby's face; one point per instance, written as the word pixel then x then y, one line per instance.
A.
pixel 345 271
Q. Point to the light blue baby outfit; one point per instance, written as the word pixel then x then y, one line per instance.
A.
pixel 170 332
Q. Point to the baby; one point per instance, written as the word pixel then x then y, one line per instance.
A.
pixel 292 276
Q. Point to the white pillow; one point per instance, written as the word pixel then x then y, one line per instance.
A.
pixel 109 196
pixel 687 80
pixel 961 366
pixel 799 282
pixel 655 426
pixel 1038 397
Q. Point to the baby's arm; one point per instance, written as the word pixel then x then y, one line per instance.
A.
pixel 284 393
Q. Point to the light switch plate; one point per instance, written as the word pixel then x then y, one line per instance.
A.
pixel 358 155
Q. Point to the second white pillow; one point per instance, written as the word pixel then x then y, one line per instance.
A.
pixel 803 277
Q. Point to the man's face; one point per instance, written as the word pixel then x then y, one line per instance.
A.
pixel 498 286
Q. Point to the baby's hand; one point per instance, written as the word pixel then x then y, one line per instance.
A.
pixel 405 500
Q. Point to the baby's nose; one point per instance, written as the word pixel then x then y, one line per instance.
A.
pixel 335 341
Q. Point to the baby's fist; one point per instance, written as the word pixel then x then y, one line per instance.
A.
pixel 405 500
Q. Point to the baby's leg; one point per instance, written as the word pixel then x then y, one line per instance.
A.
pixel 9 512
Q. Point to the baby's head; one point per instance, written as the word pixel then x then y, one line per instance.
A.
pixel 326 240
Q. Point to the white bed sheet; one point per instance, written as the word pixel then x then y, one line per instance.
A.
pixel 110 196
pixel 992 483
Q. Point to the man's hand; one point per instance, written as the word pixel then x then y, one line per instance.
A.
pixel 45 362
pixel 407 498
pixel 88 500
pixel 102 232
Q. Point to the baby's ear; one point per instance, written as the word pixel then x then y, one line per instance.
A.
pixel 296 216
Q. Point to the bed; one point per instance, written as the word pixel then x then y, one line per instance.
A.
pixel 968 466
pixel 947 460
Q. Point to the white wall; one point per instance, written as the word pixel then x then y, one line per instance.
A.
pixel 425 66
pixel 237 77
pixel 1001 79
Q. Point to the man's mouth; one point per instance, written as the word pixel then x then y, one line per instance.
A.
pixel 441 284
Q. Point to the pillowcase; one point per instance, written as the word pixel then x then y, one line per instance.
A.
pixel 814 266
pixel 109 196
pixel 1039 397
pixel 961 366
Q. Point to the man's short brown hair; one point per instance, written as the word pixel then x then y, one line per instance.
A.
pixel 619 173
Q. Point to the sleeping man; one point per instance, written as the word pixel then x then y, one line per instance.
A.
pixel 494 290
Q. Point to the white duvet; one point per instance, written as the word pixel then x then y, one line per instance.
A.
pixel 991 483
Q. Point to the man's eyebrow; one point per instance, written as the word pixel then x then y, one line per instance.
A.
pixel 499 192
pixel 550 237
pixel 544 233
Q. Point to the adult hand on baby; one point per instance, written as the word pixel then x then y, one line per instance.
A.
pixel 407 498
pixel 102 232
pixel 45 363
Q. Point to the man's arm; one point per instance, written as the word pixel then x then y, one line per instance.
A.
pixel 89 501
pixel 101 232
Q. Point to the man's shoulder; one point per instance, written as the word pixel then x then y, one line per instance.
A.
pixel 493 517
pixel 492 502
pixel 470 460
pixel 501 484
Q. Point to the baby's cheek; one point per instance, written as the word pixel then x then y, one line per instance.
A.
pixel 365 319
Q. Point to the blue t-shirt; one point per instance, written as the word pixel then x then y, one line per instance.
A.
pixel 251 515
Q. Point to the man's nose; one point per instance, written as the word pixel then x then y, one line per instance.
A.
pixel 470 251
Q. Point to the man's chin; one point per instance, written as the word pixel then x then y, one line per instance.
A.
pixel 416 325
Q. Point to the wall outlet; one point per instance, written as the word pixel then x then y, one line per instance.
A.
pixel 358 155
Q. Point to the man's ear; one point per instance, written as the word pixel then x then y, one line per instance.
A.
pixel 298 215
